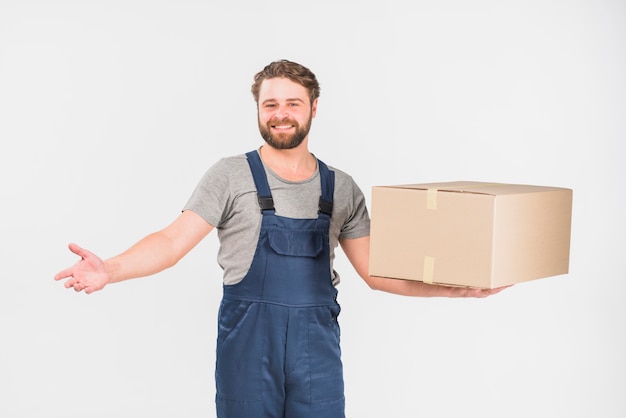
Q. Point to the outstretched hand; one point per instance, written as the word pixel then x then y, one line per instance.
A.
pixel 88 274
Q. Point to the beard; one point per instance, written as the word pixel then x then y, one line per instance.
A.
pixel 284 140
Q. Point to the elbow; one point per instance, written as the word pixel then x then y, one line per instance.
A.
pixel 170 263
pixel 375 283
pixel 174 258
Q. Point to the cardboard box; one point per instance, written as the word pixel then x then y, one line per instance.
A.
pixel 472 234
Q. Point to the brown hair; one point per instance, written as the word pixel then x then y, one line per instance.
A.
pixel 287 69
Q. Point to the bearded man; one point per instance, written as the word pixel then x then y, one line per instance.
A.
pixel 279 212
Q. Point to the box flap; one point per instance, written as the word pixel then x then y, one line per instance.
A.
pixel 476 187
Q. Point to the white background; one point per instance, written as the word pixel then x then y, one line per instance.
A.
pixel 110 112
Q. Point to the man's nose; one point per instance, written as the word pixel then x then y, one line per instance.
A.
pixel 281 112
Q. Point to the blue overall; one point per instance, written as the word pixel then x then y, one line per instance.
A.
pixel 278 349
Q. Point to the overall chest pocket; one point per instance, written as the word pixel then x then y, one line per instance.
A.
pixel 296 242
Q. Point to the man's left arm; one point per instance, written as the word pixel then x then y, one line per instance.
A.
pixel 358 249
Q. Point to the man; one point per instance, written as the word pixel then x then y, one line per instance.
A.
pixel 279 212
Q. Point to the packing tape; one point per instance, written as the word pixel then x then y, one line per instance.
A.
pixel 431 194
pixel 429 269
pixel 431 199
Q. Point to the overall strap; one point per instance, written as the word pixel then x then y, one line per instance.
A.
pixel 328 189
pixel 266 202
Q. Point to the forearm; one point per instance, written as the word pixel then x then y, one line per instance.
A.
pixel 150 255
pixel 418 289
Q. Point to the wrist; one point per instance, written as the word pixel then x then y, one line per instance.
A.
pixel 111 270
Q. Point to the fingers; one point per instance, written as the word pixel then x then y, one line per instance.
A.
pixel 494 291
pixel 76 284
pixel 68 272
pixel 475 292
pixel 71 283
pixel 489 292
pixel 79 251
pixel 480 293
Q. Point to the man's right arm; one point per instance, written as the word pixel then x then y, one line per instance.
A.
pixel 154 253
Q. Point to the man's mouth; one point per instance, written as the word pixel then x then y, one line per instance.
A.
pixel 282 127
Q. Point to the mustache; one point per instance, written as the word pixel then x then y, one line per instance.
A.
pixel 276 121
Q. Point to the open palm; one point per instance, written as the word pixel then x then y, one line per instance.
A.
pixel 88 274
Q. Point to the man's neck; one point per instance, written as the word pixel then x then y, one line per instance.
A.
pixel 295 164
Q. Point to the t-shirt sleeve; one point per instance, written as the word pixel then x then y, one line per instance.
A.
pixel 211 197
pixel 357 224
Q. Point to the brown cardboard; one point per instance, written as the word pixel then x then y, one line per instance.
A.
pixel 472 234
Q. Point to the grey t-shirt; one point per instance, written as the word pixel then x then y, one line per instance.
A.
pixel 226 198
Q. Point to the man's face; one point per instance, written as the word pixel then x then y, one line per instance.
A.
pixel 285 112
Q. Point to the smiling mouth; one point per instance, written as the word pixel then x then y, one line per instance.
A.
pixel 282 127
